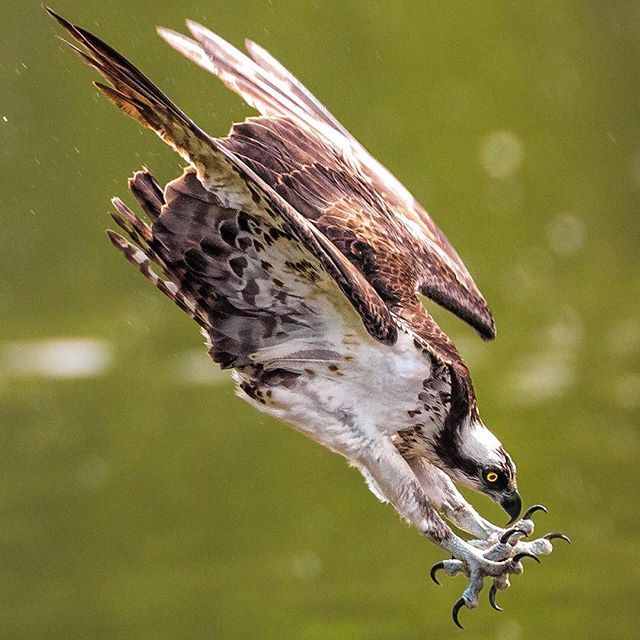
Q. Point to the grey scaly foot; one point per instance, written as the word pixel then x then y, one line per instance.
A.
pixel 476 566
pixel 524 528
pixel 518 548
pixel 497 557
pixel 521 549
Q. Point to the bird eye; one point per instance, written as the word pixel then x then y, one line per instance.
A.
pixel 492 476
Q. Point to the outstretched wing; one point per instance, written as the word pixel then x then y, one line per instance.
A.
pixel 237 271
pixel 351 197
pixel 226 247
pixel 265 284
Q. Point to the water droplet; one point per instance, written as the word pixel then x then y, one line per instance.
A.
pixel 306 566
pixel 92 473
pixel 623 338
pixel 195 367
pixel 541 379
pixel 627 391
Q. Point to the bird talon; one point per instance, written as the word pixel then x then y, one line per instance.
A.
pixel 504 538
pixel 531 510
pixel 456 610
pixel 492 598
pixel 555 535
pixel 434 570
pixel 525 554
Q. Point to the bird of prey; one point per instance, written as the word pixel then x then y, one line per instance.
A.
pixel 301 259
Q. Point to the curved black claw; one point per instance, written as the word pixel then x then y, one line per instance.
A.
pixel 504 538
pixel 531 510
pixel 525 554
pixel 436 567
pixel 492 598
pixel 456 610
pixel 555 535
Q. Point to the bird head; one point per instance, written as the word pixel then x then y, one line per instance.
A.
pixel 473 456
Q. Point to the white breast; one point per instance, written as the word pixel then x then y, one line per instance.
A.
pixel 366 383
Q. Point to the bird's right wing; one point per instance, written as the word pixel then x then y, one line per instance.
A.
pixel 266 85
pixel 239 258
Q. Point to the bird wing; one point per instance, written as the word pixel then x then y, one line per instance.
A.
pixel 259 277
pixel 236 256
pixel 378 215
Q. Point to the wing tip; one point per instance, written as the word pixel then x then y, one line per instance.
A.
pixel 488 331
pixel 57 17
pixel 470 307
pixel 486 324
pixel 253 48
pixel 480 319
pixel 165 33
pixel 118 241
pixel 198 30
pixel 170 36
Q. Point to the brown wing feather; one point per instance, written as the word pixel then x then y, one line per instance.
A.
pixel 227 176
pixel 318 183
pixel 270 88
pixel 223 245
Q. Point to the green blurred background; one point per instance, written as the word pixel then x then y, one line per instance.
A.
pixel 140 499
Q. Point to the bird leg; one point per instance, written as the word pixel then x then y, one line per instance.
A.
pixel 476 565
pixel 391 478
pixel 446 498
pixel 418 498
pixel 496 544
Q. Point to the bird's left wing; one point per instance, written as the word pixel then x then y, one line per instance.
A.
pixel 228 188
pixel 394 218
pixel 211 217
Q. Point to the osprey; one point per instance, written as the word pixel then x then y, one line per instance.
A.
pixel 301 258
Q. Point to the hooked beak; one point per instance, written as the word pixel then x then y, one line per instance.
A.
pixel 512 504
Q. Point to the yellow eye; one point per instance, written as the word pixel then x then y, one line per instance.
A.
pixel 492 476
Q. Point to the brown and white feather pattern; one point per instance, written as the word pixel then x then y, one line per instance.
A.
pixel 266 85
pixel 301 270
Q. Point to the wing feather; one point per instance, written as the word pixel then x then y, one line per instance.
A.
pixel 224 174
pixel 267 86
pixel 284 268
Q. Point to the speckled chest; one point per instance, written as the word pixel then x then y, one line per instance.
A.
pixel 377 387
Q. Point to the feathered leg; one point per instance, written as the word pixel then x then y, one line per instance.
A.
pixel 391 476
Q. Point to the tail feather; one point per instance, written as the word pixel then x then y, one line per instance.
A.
pixel 129 222
pixel 141 235
pixel 143 254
